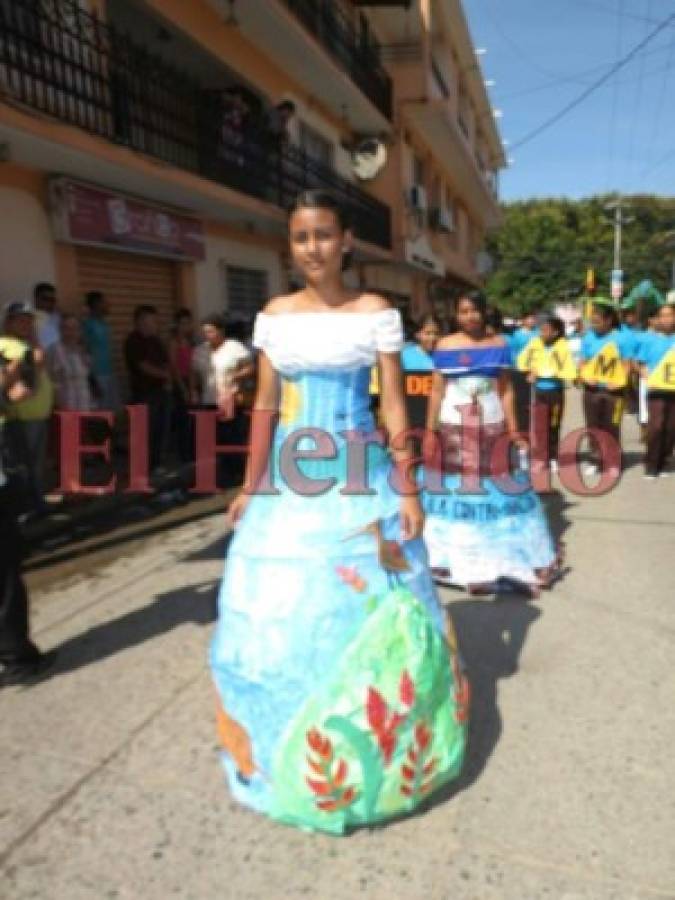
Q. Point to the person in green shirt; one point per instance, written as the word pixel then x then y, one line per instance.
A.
pixel 27 426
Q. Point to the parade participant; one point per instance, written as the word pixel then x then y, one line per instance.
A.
pixel 493 534
pixel 605 369
pixel 341 702
pixel 518 342
pixel 417 367
pixel 547 371
pixel 657 361
pixel 22 663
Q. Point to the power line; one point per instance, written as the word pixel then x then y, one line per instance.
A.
pixel 615 96
pixel 553 120
pixel 638 103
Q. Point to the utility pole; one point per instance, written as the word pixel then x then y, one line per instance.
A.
pixel 616 283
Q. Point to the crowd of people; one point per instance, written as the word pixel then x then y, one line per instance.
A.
pixel 342 698
pixel 78 367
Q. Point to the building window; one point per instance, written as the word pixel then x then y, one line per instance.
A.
pixel 419 174
pixel 316 146
pixel 247 291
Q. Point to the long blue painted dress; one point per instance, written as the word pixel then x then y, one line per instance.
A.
pixel 341 700
pixel 490 527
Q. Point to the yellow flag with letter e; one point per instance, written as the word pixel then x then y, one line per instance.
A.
pixel 663 376
pixel 605 368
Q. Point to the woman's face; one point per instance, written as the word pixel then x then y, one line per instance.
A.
pixel 666 319
pixel 548 333
pixel 469 317
pixel 599 323
pixel 70 330
pixel 317 244
pixel 213 336
pixel 428 335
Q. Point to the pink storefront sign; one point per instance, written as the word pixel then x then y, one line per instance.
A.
pixel 84 214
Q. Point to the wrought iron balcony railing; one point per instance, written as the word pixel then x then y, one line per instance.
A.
pixel 355 51
pixel 63 62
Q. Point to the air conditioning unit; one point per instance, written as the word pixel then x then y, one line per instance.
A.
pixel 417 198
pixel 442 219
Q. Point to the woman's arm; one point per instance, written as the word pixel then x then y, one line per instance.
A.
pixel 395 418
pixel 505 391
pixel 263 420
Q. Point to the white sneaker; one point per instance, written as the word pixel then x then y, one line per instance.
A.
pixel 650 477
pixel 554 467
pixel 589 469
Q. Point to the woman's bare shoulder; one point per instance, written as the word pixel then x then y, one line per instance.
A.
pixel 451 342
pixel 284 303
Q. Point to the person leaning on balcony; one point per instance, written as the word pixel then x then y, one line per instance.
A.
pixel 27 427
pixel 150 378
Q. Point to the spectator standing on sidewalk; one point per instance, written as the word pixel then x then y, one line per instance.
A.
pixel 27 428
pixel 22 662
pixel 221 366
pixel 98 341
pixel 69 368
pixel 150 378
pixel 181 351
pixel 47 314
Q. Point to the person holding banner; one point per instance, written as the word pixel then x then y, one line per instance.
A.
pixel 605 370
pixel 519 342
pixel 485 528
pixel 549 363
pixel 657 367
pixel 418 365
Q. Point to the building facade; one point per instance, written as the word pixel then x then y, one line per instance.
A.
pixel 141 152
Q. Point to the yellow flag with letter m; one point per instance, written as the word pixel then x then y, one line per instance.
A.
pixel 605 368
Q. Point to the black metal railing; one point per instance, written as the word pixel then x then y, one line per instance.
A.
pixel 62 61
pixel 355 50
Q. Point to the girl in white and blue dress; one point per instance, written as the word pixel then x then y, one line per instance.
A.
pixel 341 701
pixel 485 527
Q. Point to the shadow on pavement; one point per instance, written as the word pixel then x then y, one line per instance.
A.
pixel 491 638
pixel 195 603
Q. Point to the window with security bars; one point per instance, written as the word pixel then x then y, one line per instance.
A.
pixel 247 291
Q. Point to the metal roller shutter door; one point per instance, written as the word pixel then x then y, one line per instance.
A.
pixel 128 279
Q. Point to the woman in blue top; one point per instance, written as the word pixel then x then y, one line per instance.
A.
pixel 657 360
pixel 485 528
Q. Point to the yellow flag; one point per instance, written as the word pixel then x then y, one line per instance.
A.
pixel 605 368
pixel 555 361
pixel 531 351
pixel 663 376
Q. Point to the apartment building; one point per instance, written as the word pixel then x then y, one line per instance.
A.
pixel 138 154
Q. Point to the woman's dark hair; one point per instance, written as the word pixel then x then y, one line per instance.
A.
pixel 477 299
pixel 555 322
pixel 216 320
pixel 494 319
pixel 321 200
pixel 180 314
pixel 414 324
pixel 607 313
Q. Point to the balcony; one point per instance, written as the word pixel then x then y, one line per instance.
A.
pixel 64 63
pixel 355 54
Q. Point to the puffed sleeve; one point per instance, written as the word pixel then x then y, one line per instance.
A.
pixel 388 331
pixel 261 331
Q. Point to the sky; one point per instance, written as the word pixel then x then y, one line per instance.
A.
pixel 542 54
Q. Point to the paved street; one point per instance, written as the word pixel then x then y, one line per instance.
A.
pixel 110 786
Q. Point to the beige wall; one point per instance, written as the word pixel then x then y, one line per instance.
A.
pixel 26 244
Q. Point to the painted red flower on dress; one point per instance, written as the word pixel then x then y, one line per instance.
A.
pixel 384 723
pixel 328 774
pixel 417 772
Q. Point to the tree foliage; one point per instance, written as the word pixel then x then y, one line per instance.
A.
pixel 544 248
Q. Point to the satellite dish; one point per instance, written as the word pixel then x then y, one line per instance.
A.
pixel 368 159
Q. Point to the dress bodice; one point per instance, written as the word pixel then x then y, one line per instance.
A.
pixel 327 341
pixel 472 374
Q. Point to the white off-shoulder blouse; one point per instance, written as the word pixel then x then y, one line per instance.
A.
pixel 296 342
